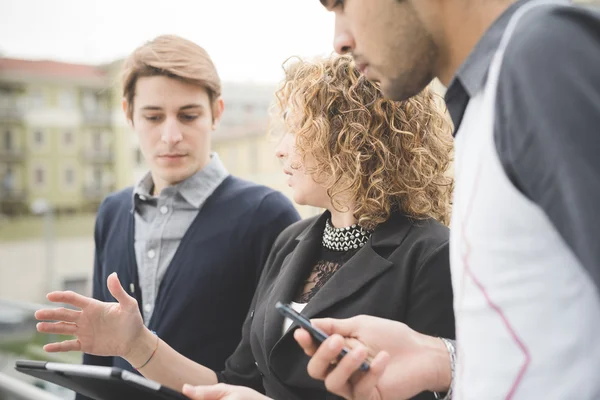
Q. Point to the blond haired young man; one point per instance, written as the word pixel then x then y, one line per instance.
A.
pixel 189 240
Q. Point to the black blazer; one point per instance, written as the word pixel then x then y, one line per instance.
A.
pixel 402 274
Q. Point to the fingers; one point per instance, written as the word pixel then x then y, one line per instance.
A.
pixel 339 378
pixel 305 341
pixel 115 288
pixel 353 343
pixel 219 391
pixel 326 355
pixel 69 297
pixel 67 345
pixel 345 327
pixel 344 378
pixel 211 392
pixel 366 383
pixel 59 328
pixel 58 314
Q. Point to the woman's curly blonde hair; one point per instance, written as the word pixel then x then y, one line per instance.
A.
pixel 382 155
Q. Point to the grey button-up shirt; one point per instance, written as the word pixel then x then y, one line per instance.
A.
pixel 161 221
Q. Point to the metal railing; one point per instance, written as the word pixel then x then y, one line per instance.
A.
pixel 15 389
pixel 11 387
pixel 21 305
pixel 12 195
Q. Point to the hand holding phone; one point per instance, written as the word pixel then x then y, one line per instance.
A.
pixel 316 333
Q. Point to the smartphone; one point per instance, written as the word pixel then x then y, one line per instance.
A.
pixel 316 333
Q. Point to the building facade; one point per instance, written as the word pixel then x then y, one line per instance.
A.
pixel 57 137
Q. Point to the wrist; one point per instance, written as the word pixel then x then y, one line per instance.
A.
pixel 440 366
pixel 141 349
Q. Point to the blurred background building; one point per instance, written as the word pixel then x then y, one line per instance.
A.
pixel 64 146
pixel 65 143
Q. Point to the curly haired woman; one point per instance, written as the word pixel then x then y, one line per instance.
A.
pixel 381 247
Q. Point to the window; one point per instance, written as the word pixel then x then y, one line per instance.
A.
pixel 66 100
pixel 39 176
pixel 68 138
pixel 90 101
pixel 97 141
pixel 37 99
pixel 5 99
pixel 97 177
pixel 9 179
pixel 69 176
pixel 8 140
pixel 38 138
pixel 77 285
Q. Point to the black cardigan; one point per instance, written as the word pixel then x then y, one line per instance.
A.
pixel 402 273
pixel 206 292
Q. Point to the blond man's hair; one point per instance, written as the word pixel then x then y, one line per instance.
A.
pixel 174 57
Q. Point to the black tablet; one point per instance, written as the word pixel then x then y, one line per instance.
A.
pixel 100 383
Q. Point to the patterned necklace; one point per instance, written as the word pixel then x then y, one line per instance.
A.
pixel 344 239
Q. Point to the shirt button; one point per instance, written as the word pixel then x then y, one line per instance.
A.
pixel 164 210
pixel 148 307
pixel 151 254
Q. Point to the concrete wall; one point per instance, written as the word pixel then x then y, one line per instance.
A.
pixel 24 275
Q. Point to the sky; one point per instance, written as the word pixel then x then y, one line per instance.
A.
pixel 247 39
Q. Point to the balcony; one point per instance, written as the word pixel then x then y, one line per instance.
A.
pixel 96 192
pixel 8 195
pixel 15 389
pixel 98 156
pixel 97 117
pixel 19 341
pixel 12 155
pixel 12 114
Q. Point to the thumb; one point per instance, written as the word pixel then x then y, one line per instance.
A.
pixel 210 392
pixel 344 327
pixel 115 288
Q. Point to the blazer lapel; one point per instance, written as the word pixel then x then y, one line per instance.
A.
pixel 361 269
pixel 294 270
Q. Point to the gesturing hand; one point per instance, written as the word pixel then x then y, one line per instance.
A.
pixel 103 329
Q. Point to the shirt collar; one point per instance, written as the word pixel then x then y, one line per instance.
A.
pixel 472 74
pixel 194 190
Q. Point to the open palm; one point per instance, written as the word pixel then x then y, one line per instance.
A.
pixel 103 329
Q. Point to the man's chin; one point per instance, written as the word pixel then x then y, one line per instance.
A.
pixel 389 90
pixel 393 91
pixel 174 176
